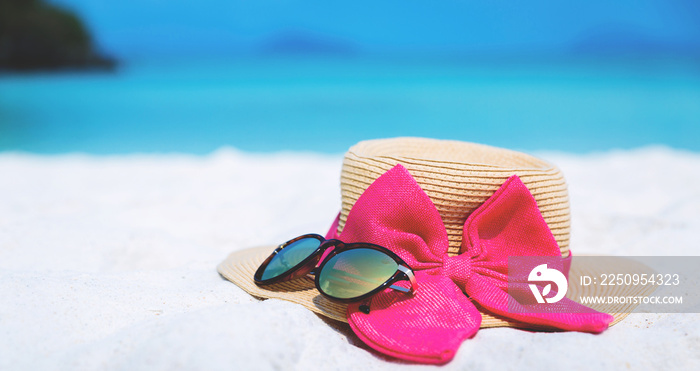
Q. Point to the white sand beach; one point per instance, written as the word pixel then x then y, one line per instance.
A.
pixel 109 263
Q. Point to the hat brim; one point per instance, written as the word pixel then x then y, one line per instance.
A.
pixel 240 266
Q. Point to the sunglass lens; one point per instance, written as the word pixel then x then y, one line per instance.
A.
pixel 356 272
pixel 290 256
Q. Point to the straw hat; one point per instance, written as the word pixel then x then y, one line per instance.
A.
pixel 458 177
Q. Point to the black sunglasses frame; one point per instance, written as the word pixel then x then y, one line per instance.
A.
pixel 310 265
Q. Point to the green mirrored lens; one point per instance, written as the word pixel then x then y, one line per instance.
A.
pixel 356 272
pixel 290 256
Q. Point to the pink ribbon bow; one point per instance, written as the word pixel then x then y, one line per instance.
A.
pixel 429 326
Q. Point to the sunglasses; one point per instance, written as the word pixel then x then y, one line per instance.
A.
pixel 342 272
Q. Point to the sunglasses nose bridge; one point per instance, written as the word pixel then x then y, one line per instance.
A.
pixel 333 243
pixel 327 247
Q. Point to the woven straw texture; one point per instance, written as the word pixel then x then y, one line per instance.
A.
pixel 240 266
pixel 458 177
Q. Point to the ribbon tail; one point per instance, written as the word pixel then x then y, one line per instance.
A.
pixel 564 315
pixel 427 327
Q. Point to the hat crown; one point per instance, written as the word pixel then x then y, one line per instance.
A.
pixel 458 177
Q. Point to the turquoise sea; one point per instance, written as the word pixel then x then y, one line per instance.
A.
pixel 326 105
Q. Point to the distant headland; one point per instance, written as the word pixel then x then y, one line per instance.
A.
pixel 35 35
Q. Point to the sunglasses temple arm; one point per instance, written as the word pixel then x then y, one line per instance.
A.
pixel 411 278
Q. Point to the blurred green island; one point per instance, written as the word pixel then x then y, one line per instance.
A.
pixel 35 35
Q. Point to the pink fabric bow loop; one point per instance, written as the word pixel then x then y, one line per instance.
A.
pixel 429 326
